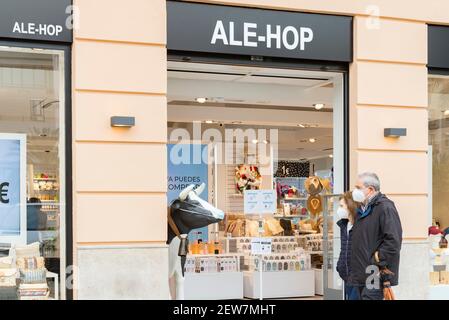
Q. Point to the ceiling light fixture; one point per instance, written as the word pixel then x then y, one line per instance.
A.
pixel 301 125
pixel 331 156
pixel 319 106
pixel 312 140
pixel 209 121
pixel 255 141
pixel 201 100
pixel 446 112
pixel 265 141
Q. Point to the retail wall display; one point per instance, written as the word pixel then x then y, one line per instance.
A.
pixel 12 188
pixel 247 177
pixel 292 169
pixel 292 197
pixel 186 213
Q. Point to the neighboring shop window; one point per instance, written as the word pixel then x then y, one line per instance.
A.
pixel 439 145
pixel 32 163
pixel 249 132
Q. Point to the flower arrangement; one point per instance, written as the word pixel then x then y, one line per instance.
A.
pixel 247 178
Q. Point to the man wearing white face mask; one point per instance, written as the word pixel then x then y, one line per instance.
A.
pixel 376 239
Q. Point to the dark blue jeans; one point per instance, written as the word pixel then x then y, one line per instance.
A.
pixel 363 293
pixel 351 292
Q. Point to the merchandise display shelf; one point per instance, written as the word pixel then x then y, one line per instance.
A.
pixel 213 286
pixel 282 284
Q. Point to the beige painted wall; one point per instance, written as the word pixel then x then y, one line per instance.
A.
pixel 390 90
pixel 119 68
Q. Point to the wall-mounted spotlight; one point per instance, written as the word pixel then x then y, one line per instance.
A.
pixel 123 122
pixel 395 132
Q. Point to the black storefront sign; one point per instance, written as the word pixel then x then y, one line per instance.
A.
pixel 47 20
pixel 258 32
pixel 438 47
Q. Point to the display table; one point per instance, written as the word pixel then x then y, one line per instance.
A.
pixel 213 286
pixel 318 281
pixel 282 284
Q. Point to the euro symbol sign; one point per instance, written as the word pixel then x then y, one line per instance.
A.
pixel 4 192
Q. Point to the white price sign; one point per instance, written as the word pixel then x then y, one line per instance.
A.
pixel 259 201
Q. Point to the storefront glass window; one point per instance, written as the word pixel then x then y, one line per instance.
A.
pixel 439 148
pixel 239 129
pixel 32 171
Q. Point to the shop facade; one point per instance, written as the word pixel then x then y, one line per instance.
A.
pixel 110 183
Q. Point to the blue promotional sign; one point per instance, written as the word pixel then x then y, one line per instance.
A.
pixel 186 167
pixel 12 188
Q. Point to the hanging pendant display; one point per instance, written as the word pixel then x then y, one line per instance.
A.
pixel 315 204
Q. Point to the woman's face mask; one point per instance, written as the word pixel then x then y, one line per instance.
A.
pixel 342 213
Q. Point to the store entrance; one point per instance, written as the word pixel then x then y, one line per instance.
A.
pixel 237 128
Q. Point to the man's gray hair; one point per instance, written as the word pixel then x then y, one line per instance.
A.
pixel 370 179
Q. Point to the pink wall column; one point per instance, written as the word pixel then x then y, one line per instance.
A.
pixel 119 69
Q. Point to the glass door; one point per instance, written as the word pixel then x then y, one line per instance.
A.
pixel 332 283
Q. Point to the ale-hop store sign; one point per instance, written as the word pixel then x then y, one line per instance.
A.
pixel 48 20
pixel 259 32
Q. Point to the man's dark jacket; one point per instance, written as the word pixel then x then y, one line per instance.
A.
pixel 378 228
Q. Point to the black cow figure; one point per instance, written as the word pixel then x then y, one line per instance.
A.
pixel 186 213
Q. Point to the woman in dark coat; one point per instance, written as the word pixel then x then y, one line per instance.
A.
pixel 346 214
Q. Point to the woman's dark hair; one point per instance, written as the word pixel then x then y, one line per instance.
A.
pixel 351 204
